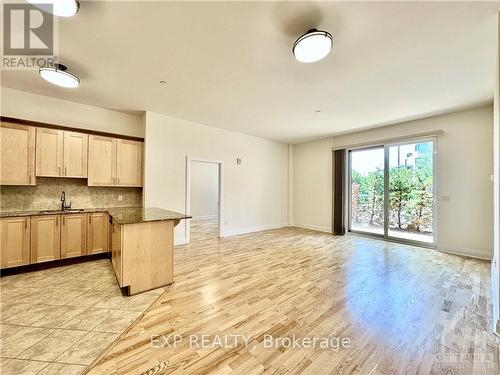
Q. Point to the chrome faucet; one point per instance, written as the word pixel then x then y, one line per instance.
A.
pixel 64 206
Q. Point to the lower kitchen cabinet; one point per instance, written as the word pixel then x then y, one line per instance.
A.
pixel 73 235
pixel 97 233
pixel 45 238
pixel 15 241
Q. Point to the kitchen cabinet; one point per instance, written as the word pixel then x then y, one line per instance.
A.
pixel 17 154
pixel 114 162
pixel 102 161
pixel 73 235
pixel 45 238
pixel 75 154
pixel 49 152
pixel 15 241
pixel 97 233
pixel 129 163
pixel 61 153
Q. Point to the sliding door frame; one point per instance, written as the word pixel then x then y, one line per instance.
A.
pixel 385 146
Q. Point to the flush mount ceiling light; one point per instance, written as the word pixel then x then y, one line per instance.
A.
pixel 312 46
pixel 58 75
pixel 61 8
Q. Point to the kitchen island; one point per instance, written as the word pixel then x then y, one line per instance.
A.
pixel 142 247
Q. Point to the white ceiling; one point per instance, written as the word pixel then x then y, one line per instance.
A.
pixel 229 64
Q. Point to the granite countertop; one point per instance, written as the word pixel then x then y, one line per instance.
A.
pixel 134 215
pixel 120 215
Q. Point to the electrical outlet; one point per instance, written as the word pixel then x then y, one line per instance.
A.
pixel 120 198
pixel 238 161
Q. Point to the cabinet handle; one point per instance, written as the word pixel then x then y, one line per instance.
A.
pixel 118 181
pixel 64 221
pixel 90 216
pixel 26 224
pixel 57 221
pixel 59 169
pixel 65 171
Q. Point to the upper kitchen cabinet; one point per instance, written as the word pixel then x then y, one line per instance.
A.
pixel 17 154
pixel 102 161
pixel 114 162
pixel 49 152
pixel 75 154
pixel 129 163
pixel 61 153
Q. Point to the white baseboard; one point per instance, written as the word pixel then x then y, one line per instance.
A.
pixel 236 232
pixel 313 227
pixel 464 251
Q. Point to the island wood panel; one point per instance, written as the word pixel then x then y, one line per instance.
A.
pixel 147 252
pixel 17 154
pixel 15 241
pixel 116 252
pixel 73 235
pixel 49 152
pixel 75 154
pixel 45 238
pixel 129 163
pixel 101 161
pixel 97 233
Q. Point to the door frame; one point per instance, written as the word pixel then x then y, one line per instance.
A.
pixel 220 163
pixel 385 146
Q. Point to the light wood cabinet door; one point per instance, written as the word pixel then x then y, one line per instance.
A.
pixel 97 233
pixel 102 161
pixel 75 154
pixel 129 163
pixel 17 154
pixel 45 238
pixel 15 241
pixel 73 235
pixel 49 152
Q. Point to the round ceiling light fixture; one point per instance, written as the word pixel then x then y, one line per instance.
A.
pixel 61 8
pixel 58 75
pixel 312 46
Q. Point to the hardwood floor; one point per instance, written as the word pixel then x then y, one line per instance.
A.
pixel 204 229
pixel 405 310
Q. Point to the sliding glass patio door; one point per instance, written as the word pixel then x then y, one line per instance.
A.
pixel 366 168
pixel 391 191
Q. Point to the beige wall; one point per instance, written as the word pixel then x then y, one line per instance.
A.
pixel 465 223
pixel 255 193
pixel 28 106
pixel 204 189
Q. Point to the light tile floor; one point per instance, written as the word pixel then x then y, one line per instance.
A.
pixel 57 321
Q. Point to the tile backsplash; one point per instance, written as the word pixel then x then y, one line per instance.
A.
pixel 46 194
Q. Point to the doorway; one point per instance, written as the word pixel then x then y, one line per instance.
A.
pixel 203 199
pixel 392 191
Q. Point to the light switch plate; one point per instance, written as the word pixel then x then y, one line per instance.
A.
pixel 120 198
